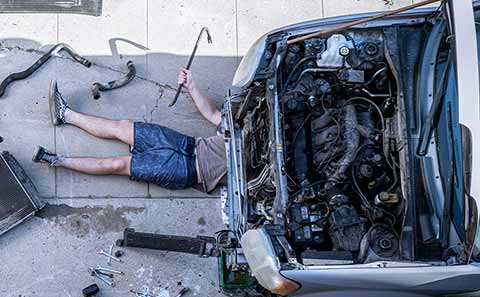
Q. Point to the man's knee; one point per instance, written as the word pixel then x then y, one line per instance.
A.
pixel 120 166
pixel 124 131
pixel 124 124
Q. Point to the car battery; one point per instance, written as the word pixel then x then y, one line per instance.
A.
pixel 307 225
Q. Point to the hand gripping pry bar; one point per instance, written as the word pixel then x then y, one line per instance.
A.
pixel 209 39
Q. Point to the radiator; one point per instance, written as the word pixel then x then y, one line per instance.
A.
pixel 19 199
pixel 88 7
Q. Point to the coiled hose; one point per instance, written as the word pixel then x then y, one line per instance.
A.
pixel 26 73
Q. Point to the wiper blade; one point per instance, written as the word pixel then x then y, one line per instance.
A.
pixel 433 115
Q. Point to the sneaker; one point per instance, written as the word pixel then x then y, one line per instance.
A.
pixel 42 155
pixel 57 104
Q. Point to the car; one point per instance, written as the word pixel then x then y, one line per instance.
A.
pixel 352 158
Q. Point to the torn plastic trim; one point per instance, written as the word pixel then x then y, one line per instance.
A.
pixel 43 59
pixel 114 84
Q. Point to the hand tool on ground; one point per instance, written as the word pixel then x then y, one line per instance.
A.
pixel 103 279
pixel 54 51
pixel 109 275
pixel 109 260
pixel 182 292
pixel 102 252
pixel 209 39
pixel 90 290
pixel 100 268
pixel 114 84
pixel 143 293
pixel 360 21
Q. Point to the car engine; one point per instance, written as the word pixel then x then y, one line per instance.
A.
pixel 338 102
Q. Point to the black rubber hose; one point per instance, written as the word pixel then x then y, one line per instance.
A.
pixel 352 137
pixel 115 84
pixel 26 73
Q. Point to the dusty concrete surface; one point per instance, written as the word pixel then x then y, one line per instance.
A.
pixel 49 255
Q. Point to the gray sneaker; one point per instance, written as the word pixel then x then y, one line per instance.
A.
pixel 57 105
pixel 42 155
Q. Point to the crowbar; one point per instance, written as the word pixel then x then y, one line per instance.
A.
pixel 209 39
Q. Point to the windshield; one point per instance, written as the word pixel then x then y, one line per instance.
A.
pixel 448 139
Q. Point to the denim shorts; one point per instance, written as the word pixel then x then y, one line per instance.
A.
pixel 163 156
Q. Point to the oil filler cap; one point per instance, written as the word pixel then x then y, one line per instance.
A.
pixel 344 51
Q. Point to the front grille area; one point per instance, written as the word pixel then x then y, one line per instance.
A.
pixel 18 197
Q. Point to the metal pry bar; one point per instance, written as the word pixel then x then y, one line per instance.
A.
pixel 53 51
pixel 209 39
pixel 360 21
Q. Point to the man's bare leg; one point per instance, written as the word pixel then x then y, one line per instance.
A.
pixel 121 130
pixel 97 166
pixel 89 165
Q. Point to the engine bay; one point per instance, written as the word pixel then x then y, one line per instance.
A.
pixel 337 100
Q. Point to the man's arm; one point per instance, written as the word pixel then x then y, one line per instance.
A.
pixel 204 104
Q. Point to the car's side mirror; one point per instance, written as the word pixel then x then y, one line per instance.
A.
pixel 470 205
pixel 466 158
pixel 471 225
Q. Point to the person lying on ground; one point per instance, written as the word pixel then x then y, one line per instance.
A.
pixel 159 154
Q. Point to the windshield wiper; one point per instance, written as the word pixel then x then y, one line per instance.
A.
pixel 433 114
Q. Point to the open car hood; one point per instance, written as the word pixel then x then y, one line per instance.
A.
pixel 466 68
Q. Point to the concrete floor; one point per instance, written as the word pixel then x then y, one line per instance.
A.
pixel 50 254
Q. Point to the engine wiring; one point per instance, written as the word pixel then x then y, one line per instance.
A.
pixel 338 154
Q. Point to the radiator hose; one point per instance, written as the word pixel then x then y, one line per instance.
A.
pixel 26 73
pixel 352 137
pixel 115 84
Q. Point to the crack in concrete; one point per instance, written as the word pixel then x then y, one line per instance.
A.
pixel 155 107
pixel 148 117
pixel 158 84
pixel 111 68
pixel 19 48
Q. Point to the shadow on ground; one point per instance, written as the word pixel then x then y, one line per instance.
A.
pixel 25 123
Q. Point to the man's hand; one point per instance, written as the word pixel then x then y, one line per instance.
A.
pixel 185 78
pixel 205 104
